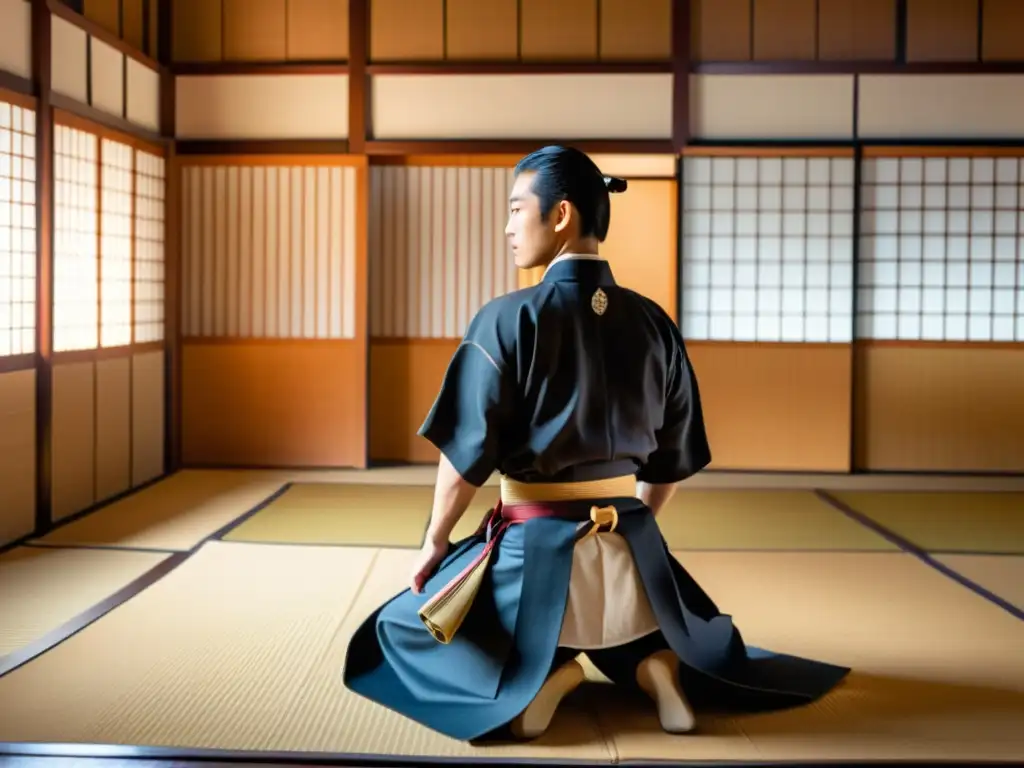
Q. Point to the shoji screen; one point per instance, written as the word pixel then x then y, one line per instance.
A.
pixel 767 302
pixel 940 308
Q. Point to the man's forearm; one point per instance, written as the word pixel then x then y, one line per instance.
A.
pixel 654 495
pixel 452 496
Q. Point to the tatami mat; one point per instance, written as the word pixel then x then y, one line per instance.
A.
pixel 176 513
pixel 761 520
pixel 1002 575
pixel 353 515
pixel 396 516
pixel 967 522
pixel 241 647
pixel 938 671
pixel 42 588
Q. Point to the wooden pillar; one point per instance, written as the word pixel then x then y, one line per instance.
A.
pixel 41 45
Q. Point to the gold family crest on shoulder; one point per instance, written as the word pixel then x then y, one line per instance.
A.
pixel 599 301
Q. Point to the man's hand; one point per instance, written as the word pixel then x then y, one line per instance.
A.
pixel 430 555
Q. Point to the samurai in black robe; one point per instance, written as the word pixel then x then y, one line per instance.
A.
pixel 580 394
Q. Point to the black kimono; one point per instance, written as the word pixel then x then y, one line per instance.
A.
pixel 573 379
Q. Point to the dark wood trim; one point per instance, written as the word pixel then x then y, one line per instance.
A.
pixel 110 755
pixel 263 147
pixel 62 10
pixel 106 120
pixel 681 21
pixel 12 363
pixel 901 31
pixel 857 68
pixel 172 313
pixel 192 69
pixel 264 341
pixel 16 83
pixel 517 146
pixel 360 123
pixel 41 76
pixel 172 256
pixel 105 353
pixel 604 67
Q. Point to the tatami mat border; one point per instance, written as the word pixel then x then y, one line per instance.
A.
pixel 73 626
pixel 914 550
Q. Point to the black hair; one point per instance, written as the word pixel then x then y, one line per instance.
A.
pixel 564 173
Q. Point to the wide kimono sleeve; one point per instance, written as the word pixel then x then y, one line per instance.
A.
pixel 682 441
pixel 472 412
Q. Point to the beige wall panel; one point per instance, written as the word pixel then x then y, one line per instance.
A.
pixel 636 29
pixel 147 405
pixel 17 455
pixel 74 438
pixel 720 30
pixel 406 29
pixel 310 412
pixel 143 91
pixel 68 60
pixel 637 166
pixel 950 408
pixel 405 377
pixel 1003 30
pixel 857 29
pixel 106 13
pixel 942 30
pixel 134 33
pixel 196 30
pixel 776 407
pixel 480 31
pixel 437 248
pixel 642 244
pixel 785 30
pixel 262 107
pixel 558 29
pixel 269 252
pixel 941 106
pixel 255 30
pixel 490 106
pixel 771 106
pixel 107 77
pixel 16 37
pixel 113 427
pixel 317 29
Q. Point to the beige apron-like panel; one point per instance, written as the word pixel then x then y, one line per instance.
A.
pixel 18 449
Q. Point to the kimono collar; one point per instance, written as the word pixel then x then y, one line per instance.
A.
pixel 579 268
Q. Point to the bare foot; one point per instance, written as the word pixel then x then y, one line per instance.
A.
pixel 536 718
pixel 658 677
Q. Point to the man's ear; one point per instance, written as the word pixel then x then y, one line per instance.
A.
pixel 563 214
